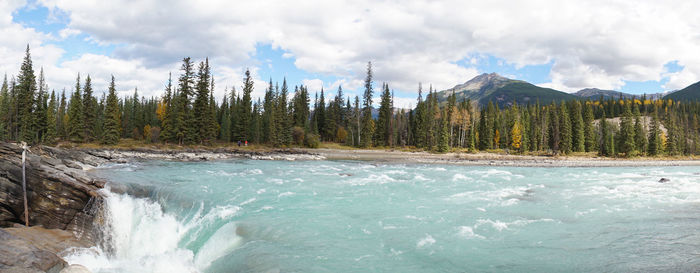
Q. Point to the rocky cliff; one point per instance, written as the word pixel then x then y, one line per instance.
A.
pixel 61 196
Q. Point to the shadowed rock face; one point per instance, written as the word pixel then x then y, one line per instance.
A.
pixel 61 197
pixel 59 193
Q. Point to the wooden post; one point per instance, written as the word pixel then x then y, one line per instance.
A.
pixel 24 183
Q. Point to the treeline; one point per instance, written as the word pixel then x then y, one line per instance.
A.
pixel 188 113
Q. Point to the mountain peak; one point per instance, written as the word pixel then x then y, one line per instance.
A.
pixel 484 80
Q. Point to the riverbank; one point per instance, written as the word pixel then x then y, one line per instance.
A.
pixel 128 150
pixel 493 159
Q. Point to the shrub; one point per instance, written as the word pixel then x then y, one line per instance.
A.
pixel 155 134
pixel 298 135
pixel 312 141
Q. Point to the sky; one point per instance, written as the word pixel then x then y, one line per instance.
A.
pixel 630 46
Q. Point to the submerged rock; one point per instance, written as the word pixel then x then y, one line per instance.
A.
pixel 664 180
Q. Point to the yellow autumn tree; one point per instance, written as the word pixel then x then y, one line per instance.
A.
pixel 496 139
pixel 160 110
pixel 516 136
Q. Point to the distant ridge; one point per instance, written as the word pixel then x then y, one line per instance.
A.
pixel 503 91
pixel 690 93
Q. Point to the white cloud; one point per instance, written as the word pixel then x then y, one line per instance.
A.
pixel 590 43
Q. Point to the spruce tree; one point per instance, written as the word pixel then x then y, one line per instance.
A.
pixel 577 128
pixel 444 137
pixel 75 115
pixel 112 123
pixel 655 146
pixel 588 130
pixel 367 130
pixel 25 89
pixel 201 104
pixel 89 111
pixel 283 119
pixel 213 126
pixel 184 120
pixel 5 102
pixel 245 111
pixel 626 144
pixel 566 132
pixel 168 133
pixel 39 114
pixel 50 136
pixel 554 131
pixel 61 117
pixel 320 115
pixel 640 137
pixel 383 128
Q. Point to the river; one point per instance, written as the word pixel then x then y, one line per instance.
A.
pixel 353 216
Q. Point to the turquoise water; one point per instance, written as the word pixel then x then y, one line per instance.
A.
pixel 344 216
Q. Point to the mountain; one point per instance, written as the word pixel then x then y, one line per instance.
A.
pixel 595 93
pixel 503 91
pixel 691 93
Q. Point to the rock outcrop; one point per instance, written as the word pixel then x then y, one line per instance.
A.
pixel 60 194
pixel 61 198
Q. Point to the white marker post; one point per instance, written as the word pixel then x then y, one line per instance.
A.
pixel 24 183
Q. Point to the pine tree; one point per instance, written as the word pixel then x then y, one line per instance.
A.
pixel 89 111
pixel 367 130
pixel 112 117
pixel 75 115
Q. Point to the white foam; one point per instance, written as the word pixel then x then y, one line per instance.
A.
pixel 140 237
pixel 468 232
pixel 224 240
pixel 425 241
pixel 289 193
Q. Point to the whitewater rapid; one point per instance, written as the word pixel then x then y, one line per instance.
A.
pixel 321 216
